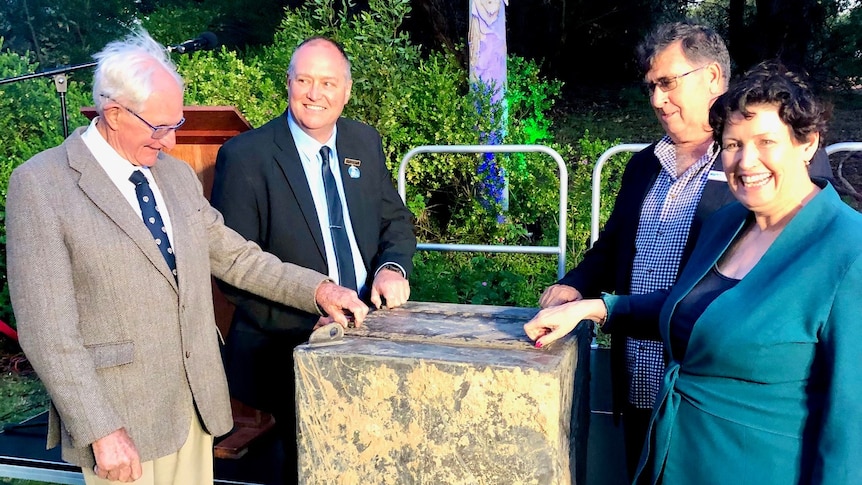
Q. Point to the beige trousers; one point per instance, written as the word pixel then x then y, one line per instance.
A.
pixel 190 465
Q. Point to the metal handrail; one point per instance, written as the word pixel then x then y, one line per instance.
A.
pixel 559 250
pixel 847 146
pixel 597 183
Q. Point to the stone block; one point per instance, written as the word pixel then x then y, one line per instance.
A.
pixel 436 393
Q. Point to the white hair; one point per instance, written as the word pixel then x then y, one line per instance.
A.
pixel 125 68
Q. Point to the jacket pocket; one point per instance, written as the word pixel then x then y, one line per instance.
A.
pixel 112 354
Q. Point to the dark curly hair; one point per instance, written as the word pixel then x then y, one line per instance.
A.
pixel 772 83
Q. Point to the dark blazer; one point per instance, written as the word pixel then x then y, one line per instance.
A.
pixel 607 266
pixel 261 189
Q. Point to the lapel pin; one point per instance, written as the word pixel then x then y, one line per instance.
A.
pixel 353 171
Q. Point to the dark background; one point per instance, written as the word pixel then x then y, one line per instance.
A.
pixel 585 43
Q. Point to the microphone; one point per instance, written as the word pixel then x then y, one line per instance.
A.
pixel 205 41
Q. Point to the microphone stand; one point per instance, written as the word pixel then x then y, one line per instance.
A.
pixel 60 84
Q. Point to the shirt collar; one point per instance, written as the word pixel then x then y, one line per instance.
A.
pixel 665 151
pixel 111 161
pixel 305 144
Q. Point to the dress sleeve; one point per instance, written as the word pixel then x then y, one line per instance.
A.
pixel 839 446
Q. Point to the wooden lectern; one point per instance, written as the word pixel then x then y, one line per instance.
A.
pixel 198 140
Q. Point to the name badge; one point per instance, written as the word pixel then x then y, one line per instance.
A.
pixel 717 176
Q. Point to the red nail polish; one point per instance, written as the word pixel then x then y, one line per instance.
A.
pixel 538 345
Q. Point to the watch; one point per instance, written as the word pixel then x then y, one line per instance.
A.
pixel 392 267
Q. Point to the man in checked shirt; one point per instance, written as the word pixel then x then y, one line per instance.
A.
pixel 667 190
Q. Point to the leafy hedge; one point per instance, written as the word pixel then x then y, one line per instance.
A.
pixel 412 99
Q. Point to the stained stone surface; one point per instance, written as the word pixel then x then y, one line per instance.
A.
pixel 436 393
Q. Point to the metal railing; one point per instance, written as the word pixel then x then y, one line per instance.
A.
pixel 847 146
pixel 559 250
pixel 595 205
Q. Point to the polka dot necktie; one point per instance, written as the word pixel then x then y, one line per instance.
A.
pixel 152 218
pixel 343 255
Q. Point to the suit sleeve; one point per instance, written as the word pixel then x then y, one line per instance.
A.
pixel 597 272
pixel 397 240
pixel 41 284
pixel 251 274
pixel 840 442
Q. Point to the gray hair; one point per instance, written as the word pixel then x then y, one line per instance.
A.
pixel 700 45
pixel 125 67
pixel 291 69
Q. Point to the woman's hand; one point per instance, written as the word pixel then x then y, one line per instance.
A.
pixel 556 322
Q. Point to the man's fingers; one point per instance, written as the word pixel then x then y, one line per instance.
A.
pixel 375 297
pixel 339 302
pixel 545 297
pixel 359 312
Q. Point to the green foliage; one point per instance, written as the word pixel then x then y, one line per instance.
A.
pixel 31 122
pixel 173 24
pixel 21 397
pixel 56 33
pixel 498 279
pixel 842 49
pixel 223 79
pixel 412 99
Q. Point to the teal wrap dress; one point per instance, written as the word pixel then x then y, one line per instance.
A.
pixel 769 390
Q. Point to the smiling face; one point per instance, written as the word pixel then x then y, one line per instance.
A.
pixel 684 111
pixel 766 165
pixel 318 88
pixel 132 138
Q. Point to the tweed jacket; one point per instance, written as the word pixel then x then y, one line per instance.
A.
pixel 117 341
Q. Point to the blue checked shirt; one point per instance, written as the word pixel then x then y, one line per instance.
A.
pixel 665 219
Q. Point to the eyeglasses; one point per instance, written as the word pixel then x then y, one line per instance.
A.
pixel 160 131
pixel 668 83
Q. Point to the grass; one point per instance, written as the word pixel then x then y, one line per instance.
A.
pixel 22 396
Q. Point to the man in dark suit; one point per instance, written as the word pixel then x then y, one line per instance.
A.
pixel 667 190
pixel 111 247
pixel 274 186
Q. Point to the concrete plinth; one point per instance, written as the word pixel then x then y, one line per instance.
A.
pixel 443 394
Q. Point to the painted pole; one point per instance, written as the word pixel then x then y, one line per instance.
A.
pixel 487 42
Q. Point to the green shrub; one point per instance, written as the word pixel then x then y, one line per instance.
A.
pixel 31 121
pixel 412 99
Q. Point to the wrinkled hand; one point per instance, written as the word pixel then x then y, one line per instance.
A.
pixel 556 322
pixel 322 322
pixel 337 302
pixel 117 457
pixel 393 287
pixel 558 294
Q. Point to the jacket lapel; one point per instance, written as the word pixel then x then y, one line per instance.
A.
pixel 711 246
pixel 99 188
pixel 287 158
pixel 171 188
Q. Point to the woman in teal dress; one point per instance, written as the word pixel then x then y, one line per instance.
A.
pixel 763 329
